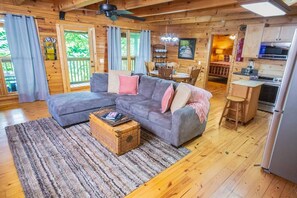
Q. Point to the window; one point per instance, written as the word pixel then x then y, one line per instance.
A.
pixel 7 75
pixel 130 47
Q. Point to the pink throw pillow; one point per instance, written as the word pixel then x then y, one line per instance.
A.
pixel 167 98
pixel 128 85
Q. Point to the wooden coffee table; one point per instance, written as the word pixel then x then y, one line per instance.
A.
pixel 119 139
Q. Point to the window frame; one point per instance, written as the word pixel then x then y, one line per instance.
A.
pixel 3 87
pixel 128 37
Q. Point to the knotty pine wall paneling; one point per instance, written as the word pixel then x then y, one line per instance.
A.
pixel 203 31
pixel 47 18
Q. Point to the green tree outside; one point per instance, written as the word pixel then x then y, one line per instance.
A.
pixel 4 50
pixel 77 44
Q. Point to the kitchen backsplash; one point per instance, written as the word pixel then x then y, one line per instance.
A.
pixel 265 67
pixel 271 70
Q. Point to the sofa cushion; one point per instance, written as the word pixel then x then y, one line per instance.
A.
pixel 68 103
pixel 167 98
pixel 99 82
pixel 161 87
pixel 161 119
pixel 182 95
pixel 113 79
pixel 147 86
pixel 128 85
pixel 124 101
pixel 143 108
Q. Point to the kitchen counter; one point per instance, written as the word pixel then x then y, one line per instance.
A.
pixel 248 83
pixel 250 91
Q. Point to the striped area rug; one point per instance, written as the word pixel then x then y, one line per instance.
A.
pixel 56 162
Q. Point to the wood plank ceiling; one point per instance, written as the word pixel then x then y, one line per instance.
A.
pixel 165 12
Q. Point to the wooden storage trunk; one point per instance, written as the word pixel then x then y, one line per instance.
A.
pixel 119 139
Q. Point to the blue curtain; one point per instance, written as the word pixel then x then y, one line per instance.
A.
pixel 144 51
pixel 114 48
pixel 26 57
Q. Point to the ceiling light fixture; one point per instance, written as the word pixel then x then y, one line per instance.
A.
pixel 169 37
pixel 232 37
pixel 266 8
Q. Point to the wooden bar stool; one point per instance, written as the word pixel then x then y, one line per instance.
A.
pixel 238 101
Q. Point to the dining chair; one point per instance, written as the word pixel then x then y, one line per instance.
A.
pixel 165 73
pixel 173 65
pixel 150 66
pixel 191 68
pixel 194 76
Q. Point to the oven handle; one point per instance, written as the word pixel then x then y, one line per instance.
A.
pixel 273 85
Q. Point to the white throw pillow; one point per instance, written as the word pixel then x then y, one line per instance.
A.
pixel 182 95
pixel 113 79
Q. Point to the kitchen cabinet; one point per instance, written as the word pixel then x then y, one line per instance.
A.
pixel 252 40
pixel 278 34
pixel 286 34
pixel 271 34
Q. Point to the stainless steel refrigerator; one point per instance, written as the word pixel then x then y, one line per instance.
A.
pixel 280 153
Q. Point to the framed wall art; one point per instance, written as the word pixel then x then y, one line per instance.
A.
pixel 186 48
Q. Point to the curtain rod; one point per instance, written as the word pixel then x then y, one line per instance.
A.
pixel 107 26
pixel 20 16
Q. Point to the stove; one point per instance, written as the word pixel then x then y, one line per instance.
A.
pixel 269 92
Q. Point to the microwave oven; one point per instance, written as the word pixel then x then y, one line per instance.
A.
pixel 274 51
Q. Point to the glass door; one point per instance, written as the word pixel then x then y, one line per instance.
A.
pixel 77 55
pixel 78 58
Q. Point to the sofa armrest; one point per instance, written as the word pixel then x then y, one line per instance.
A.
pixel 185 125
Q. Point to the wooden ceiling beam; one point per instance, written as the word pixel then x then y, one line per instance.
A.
pixel 211 11
pixel 180 6
pixel 132 4
pixel 211 18
pixel 68 5
pixel 18 2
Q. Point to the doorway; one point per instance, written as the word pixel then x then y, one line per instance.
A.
pixel 220 63
pixel 77 55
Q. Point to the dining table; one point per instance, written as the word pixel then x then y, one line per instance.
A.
pixel 176 76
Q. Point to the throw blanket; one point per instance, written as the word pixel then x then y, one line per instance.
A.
pixel 199 101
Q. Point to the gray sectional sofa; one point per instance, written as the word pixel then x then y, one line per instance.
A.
pixel 176 129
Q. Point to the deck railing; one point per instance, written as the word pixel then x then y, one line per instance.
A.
pixel 9 75
pixel 79 70
pixel 125 63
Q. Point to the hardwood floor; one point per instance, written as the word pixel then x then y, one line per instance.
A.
pixel 223 162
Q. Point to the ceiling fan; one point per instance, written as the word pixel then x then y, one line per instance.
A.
pixel 112 12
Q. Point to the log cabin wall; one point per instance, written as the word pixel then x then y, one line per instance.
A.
pixel 47 18
pixel 203 32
